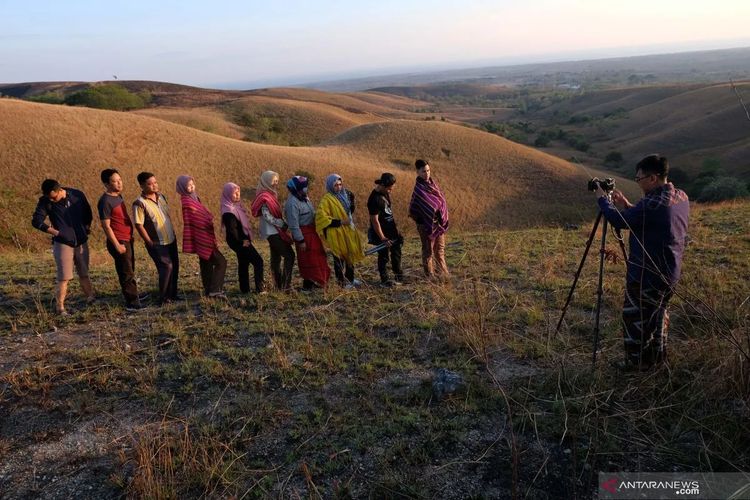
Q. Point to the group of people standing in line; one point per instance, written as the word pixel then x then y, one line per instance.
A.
pixel 297 226
pixel 658 224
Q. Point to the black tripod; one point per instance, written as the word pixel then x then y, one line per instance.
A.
pixel 599 289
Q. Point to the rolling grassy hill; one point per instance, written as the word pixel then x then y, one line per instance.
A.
pixel 281 116
pixel 689 123
pixel 489 181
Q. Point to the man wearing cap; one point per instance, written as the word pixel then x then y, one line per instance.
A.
pixel 70 217
pixel 383 229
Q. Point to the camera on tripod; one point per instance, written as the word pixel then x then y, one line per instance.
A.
pixel 607 185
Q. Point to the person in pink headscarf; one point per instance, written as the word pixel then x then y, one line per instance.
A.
pixel 236 224
pixel 198 237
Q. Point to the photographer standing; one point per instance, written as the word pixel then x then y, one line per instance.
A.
pixel 658 226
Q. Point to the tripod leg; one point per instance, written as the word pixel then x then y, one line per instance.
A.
pixel 599 292
pixel 578 272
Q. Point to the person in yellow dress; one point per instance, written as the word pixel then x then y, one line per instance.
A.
pixel 334 222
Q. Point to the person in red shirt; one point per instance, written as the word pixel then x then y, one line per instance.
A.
pixel 118 229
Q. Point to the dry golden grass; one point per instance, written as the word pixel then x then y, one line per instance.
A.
pixel 489 181
pixel 207 119
pixel 356 102
pixel 305 116
pixel 303 122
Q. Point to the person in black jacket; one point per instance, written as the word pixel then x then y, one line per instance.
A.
pixel 70 217
pixel 236 224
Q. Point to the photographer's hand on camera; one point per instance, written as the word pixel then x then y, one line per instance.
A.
pixel 620 201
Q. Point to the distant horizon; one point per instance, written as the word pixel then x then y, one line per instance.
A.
pixel 628 52
pixel 239 43
pixel 384 73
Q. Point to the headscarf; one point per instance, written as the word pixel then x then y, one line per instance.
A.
pixel 342 196
pixel 297 185
pixel 182 182
pixel 266 178
pixel 235 208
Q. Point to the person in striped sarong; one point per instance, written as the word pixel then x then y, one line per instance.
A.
pixel 429 210
pixel 198 237
pixel 311 255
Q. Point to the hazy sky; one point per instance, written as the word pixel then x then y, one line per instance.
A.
pixel 226 41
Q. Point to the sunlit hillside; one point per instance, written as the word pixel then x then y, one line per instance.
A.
pixel 489 181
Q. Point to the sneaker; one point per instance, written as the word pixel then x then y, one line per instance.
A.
pixel 217 295
pixel 387 283
pixel 134 307
pixel 357 283
pixel 142 297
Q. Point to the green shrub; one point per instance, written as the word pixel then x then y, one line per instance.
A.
pixel 679 177
pixel 48 98
pixel 109 96
pixel 613 159
pixel 724 188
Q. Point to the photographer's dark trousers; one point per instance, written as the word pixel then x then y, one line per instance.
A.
pixel 645 323
pixel 125 267
pixel 167 263
pixel 395 259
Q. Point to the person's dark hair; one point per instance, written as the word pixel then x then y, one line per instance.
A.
pixel 654 164
pixel 386 180
pixel 107 174
pixel 49 185
pixel 420 164
pixel 143 177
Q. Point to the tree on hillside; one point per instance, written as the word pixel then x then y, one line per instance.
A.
pixel 110 96
pixel 613 159
pixel 724 188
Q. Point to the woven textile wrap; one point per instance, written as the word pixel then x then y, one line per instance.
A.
pixel 269 199
pixel 198 232
pixel 429 208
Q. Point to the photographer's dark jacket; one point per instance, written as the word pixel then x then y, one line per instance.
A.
pixel 658 224
pixel 71 216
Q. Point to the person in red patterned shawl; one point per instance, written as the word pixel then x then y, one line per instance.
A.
pixel 273 228
pixel 198 237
